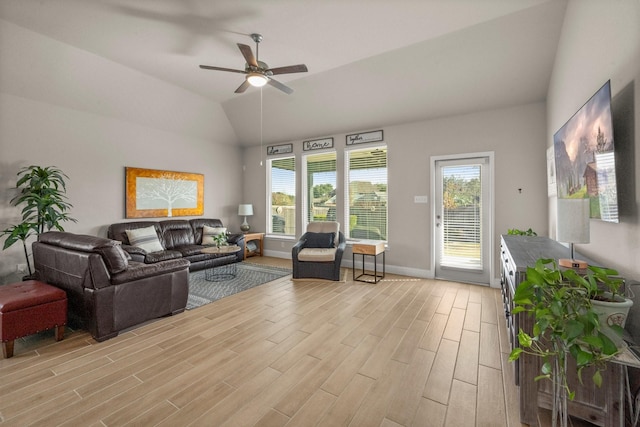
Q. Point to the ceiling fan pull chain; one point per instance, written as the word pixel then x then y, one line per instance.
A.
pixel 260 122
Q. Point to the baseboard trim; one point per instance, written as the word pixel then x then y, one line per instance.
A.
pixel 393 269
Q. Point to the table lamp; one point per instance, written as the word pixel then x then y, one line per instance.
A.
pixel 573 227
pixel 245 210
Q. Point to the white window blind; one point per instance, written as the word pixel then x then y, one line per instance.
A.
pixel 283 196
pixel 366 197
pixel 321 187
pixel 461 217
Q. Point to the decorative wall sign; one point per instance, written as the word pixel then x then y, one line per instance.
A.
pixel 361 138
pixel 317 144
pixel 155 193
pixel 279 149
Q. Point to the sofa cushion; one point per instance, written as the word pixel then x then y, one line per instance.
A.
pixel 319 240
pixel 153 257
pixel 317 255
pixel 197 225
pixel 190 250
pixel 176 233
pixel 145 238
pixel 209 232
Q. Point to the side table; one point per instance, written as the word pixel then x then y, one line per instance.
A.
pixel 259 237
pixel 371 249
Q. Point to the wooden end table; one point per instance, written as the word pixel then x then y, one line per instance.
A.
pixel 218 273
pixel 370 249
pixel 253 236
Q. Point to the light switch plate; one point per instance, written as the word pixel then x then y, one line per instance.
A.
pixel 420 199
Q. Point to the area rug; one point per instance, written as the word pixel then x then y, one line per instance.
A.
pixel 203 292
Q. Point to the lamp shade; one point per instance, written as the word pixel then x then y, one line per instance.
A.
pixel 573 221
pixel 245 210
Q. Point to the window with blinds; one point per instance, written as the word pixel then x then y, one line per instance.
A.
pixel 461 217
pixel 366 196
pixel 282 179
pixel 320 181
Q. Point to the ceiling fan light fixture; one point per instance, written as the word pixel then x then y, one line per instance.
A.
pixel 257 79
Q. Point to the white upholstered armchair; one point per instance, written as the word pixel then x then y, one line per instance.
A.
pixel 319 251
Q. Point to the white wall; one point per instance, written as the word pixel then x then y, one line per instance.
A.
pixel 601 41
pixel 516 135
pixel 91 117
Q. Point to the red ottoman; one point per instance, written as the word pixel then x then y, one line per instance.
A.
pixel 30 307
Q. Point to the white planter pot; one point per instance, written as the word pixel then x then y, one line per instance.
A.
pixel 612 313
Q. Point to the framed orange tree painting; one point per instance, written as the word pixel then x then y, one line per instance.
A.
pixel 155 193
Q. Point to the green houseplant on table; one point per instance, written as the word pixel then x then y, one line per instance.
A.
pixel 220 239
pixel 42 195
pixel 565 325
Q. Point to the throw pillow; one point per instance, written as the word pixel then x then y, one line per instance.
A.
pixel 145 238
pixel 319 240
pixel 209 232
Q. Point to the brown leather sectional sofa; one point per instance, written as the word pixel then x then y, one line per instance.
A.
pixel 180 238
pixel 106 290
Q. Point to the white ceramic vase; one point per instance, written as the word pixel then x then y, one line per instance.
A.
pixel 612 312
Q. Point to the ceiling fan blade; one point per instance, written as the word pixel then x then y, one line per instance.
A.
pixel 300 68
pixel 248 55
pixel 278 85
pixel 210 67
pixel 245 84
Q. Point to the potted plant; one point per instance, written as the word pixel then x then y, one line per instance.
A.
pixel 565 325
pixel 517 232
pixel 604 286
pixel 42 195
pixel 20 232
pixel 220 239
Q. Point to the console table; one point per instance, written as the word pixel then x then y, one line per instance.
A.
pixel 601 406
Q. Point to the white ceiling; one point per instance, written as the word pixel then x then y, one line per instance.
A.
pixel 371 63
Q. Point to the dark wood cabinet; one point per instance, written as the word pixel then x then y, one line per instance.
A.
pixel 600 406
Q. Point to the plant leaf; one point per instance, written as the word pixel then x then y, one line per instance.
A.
pixel 515 354
pixel 597 379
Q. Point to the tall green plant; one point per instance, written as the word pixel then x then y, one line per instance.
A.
pixel 565 325
pixel 42 191
pixel 42 195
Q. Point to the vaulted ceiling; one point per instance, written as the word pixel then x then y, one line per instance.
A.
pixel 371 63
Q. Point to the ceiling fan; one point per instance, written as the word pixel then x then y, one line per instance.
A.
pixel 257 72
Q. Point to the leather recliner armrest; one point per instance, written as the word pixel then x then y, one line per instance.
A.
pixel 137 254
pixel 235 238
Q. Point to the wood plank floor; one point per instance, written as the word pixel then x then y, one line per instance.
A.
pixel 403 352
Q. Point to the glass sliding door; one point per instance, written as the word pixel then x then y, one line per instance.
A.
pixel 462 220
